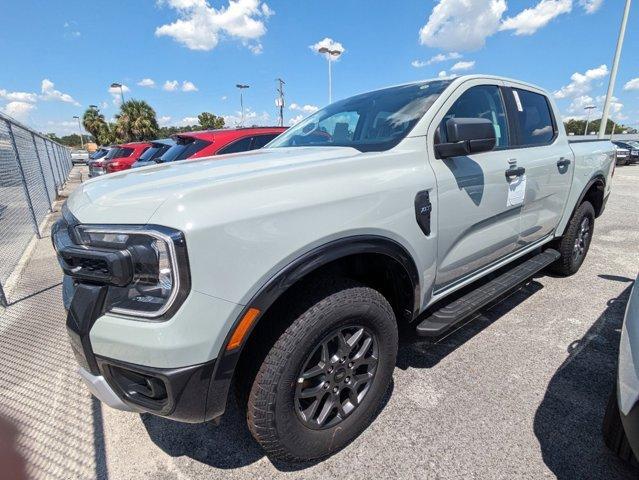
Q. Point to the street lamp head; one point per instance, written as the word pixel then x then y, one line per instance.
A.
pixel 93 106
pixel 75 116
pixel 116 85
pixel 241 85
pixel 589 107
pixel 328 51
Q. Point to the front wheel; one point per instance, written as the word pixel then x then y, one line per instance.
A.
pixel 324 379
pixel 574 245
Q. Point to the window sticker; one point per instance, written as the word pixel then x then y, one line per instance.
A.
pixel 518 101
pixel 516 191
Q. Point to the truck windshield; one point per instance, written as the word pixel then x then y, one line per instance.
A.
pixel 370 122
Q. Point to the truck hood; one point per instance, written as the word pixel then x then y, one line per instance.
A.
pixel 133 196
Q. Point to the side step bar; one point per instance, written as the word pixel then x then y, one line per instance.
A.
pixel 445 317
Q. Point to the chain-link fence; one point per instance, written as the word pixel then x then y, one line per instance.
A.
pixel 33 169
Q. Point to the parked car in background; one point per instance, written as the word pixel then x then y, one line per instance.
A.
pixel 127 155
pixel 96 163
pixel 631 147
pixel 218 142
pixel 287 271
pixel 623 155
pixel 621 421
pixel 79 157
pixel 155 151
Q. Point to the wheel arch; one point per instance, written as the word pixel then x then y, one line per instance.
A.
pixel 336 252
pixel 594 193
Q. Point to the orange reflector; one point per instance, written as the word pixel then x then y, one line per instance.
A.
pixel 242 328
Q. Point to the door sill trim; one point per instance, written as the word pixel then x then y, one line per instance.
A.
pixel 462 282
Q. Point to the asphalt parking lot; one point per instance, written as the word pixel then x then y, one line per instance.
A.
pixel 518 392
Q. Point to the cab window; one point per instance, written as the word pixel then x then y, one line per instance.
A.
pixel 482 101
pixel 534 118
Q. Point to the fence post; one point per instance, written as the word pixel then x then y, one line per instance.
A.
pixel 44 180
pixel 24 181
pixel 57 164
pixel 46 149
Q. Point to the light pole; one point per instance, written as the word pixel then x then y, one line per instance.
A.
pixel 119 85
pixel 279 102
pixel 329 56
pixel 613 72
pixel 242 86
pixel 80 128
pixel 589 109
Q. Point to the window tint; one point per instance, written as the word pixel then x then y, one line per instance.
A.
pixel 371 122
pixel 260 140
pixel 156 150
pixel 482 101
pixel 173 152
pixel 112 153
pixel 241 145
pixel 192 148
pixel 535 122
pixel 124 152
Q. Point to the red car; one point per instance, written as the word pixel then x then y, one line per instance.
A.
pixel 127 155
pixel 218 142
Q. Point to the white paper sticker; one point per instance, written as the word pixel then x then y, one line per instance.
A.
pixel 516 191
pixel 517 101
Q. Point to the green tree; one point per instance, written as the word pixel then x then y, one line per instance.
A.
pixel 136 121
pixel 578 127
pixel 94 123
pixel 210 121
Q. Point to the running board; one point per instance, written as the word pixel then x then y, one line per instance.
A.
pixel 445 317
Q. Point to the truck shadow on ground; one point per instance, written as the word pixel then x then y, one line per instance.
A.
pixel 567 423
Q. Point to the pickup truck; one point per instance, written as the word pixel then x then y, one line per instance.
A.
pixel 287 271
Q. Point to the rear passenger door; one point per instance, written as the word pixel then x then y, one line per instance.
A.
pixel 546 157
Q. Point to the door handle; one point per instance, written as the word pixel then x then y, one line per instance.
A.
pixel 563 162
pixel 515 172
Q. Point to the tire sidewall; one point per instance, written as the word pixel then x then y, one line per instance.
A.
pixel 301 440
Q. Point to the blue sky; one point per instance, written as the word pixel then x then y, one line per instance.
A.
pixel 59 57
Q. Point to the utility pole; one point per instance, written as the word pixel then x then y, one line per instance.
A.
pixel 241 87
pixel 80 128
pixel 589 109
pixel 613 72
pixel 280 100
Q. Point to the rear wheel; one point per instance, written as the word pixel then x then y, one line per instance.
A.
pixel 324 379
pixel 574 245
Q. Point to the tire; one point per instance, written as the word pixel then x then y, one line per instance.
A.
pixel 276 403
pixel 574 245
pixel 613 433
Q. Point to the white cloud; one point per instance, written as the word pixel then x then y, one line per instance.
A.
pixel 147 82
pixel 530 20
pixel 224 98
pixel 632 84
pixel 188 86
pixel 115 93
pixel 442 74
pixel 18 110
pixel 461 66
pixel 18 96
pixel 164 121
pixel 307 109
pixel 200 26
pixel 187 121
pixel 250 118
pixel 440 57
pixel 50 93
pixel 296 119
pixel 590 6
pixel 462 25
pixel 330 44
pixel 581 83
pixel 615 108
pixel 578 104
pixel 171 85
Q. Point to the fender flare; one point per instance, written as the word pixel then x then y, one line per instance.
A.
pixel 287 277
pixel 596 179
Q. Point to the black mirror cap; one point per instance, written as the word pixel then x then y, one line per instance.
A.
pixel 467 136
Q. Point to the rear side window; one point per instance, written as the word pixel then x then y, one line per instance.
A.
pixel 482 101
pixel 260 140
pixel 534 118
pixel 241 145
pixel 192 148
pixel 124 152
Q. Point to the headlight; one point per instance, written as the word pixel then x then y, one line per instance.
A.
pixel 155 281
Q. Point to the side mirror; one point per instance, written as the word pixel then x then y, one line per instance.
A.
pixel 467 136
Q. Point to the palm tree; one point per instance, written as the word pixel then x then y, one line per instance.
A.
pixel 94 123
pixel 136 121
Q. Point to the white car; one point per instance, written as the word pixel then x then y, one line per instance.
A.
pixel 287 270
pixel 621 422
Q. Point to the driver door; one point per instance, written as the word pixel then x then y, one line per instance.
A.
pixel 475 226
